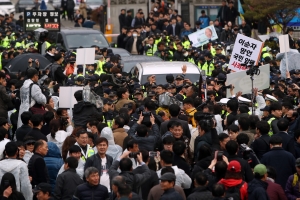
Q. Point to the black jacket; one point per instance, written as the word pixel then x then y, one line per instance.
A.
pixel 139 46
pixel 171 194
pixel 246 170
pixel 128 20
pixel 120 41
pixel 232 14
pixel 261 145
pixel 96 161
pixel 200 193
pixel 181 163
pixel 170 30
pixel 37 134
pixel 178 56
pixel 282 161
pixel 38 170
pixel 22 132
pixel 257 190
pixel 122 20
pixel 49 57
pixel 223 13
pixel 60 77
pixel 66 184
pixel 246 30
pixel 82 111
pixel 287 142
pixel 86 191
pixel 151 182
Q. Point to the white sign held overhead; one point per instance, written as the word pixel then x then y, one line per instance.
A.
pixel 202 37
pixel 85 56
pixel 66 96
pixel 284 47
pixel 245 51
pixel 284 43
pixel 242 82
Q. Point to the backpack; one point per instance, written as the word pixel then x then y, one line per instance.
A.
pixel 233 193
pixel 129 181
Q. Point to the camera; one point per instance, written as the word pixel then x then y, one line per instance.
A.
pixel 199 116
pixel 133 154
pixel 145 114
pixel 253 70
pixel 220 156
pixel 6 184
pixel 246 151
pixel 152 153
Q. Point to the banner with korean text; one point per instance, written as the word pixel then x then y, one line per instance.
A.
pixel 246 51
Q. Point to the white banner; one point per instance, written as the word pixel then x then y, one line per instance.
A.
pixel 85 56
pixel 203 36
pixel 242 82
pixel 245 51
pixel 66 96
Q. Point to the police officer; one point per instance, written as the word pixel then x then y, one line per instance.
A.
pixel 162 53
pixel 150 48
pixel 208 66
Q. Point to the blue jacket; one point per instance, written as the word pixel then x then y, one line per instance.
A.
pixel 282 161
pixel 53 162
pixel 257 190
pixel 204 21
pixel 88 24
pixel 87 192
pixel 185 33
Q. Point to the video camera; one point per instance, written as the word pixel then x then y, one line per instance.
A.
pixel 246 151
pixel 253 70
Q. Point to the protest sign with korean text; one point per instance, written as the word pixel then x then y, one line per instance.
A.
pixel 245 51
pixel 203 36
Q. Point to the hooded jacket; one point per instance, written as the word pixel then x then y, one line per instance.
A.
pixel 234 182
pixel 113 150
pixel 82 112
pixel 36 97
pixel 257 190
pixel 53 162
pixel 19 169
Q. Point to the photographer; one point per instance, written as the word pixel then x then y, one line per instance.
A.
pixel 181 54
pixel 125 165
pixel 57 70
pixel 33 63
pixel 147 132
pixel 245 151
pixel 162 52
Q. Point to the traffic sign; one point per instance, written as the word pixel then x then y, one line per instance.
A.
pixel 49 20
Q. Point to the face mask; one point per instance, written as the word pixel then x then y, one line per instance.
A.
pixel 155 9
pixel 88 130
pixel 185 54
pixel 134 35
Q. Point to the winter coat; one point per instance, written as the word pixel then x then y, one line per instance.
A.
pixel 119 135
pixel 275 191
pixel 36 97
pixel 182 179
pixel 60 137
pixel 66 184
pixel 156 192
pixel 282 161
pixel 257 190
pixel 82 7
pixel 79 169
pixel 171 194
pixel 147 142
pixel 87 192
pixel 200 193
pixel 287 142
pixel 4 100
pixel 37 134
pixel 261 145
pixel 82 112
pixel 53 162
pixel 19 169
pixel 113 150
pixel 234 182
pixel 22 132
pixel 292 190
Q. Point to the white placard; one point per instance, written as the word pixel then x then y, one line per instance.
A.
pixel 85 56
pixel 242 82
pixel 245 51
pixel 203 36
pixel 263 38
pixel 284 43
pixel 66 96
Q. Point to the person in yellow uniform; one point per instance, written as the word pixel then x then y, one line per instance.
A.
pixel 208 66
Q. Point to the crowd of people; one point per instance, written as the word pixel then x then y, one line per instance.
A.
pixel 146 141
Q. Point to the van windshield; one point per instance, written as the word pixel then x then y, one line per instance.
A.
pixel 86 40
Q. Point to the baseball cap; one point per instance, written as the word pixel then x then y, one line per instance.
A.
pixel 179 77
pixel 171 86
pixel 45 187
pixel 267 108
pixel 138 92
pixel 298 162
pixel 112 94
pixel 223 101
pixel 107 91
pixel 234 166
pixel 151 94
pixel 221 77
pixel 168 177
pixel 80 78
pixel 107 101
pixel 260 169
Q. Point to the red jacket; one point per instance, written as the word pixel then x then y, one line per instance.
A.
pixel 275 191
pixel 234 182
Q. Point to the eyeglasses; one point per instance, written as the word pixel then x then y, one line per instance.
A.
pixel 31 143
